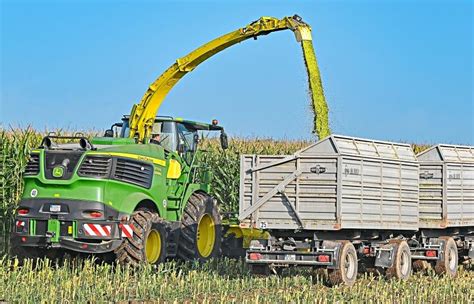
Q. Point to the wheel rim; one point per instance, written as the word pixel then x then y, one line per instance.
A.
pixel 206 236
pixel 404 263
pixel 349 265
pixel 452 259
pixel 153 246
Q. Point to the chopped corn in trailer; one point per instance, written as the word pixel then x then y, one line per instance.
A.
pixel 346 202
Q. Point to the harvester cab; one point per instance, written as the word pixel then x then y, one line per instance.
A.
pixel 173 134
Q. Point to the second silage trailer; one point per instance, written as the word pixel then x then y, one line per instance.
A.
pixel 343 202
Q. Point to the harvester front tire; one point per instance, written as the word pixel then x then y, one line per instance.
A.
pixel 148 243
pixel 448 264
pixel 201 231
pixel 348 266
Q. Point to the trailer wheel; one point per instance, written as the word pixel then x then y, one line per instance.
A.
pixel 148 243
pixel 448 263
pixel 401 268
pixel 201 233
pixel 348 266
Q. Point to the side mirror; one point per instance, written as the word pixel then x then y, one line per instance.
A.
pixel 224 141
pixel 195 142
pixel 109 133
pixel 181 148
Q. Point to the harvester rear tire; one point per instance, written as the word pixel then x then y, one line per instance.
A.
pixel 148 243
pixel 201 232
pixel 348 266
pixel 402 264
pixel 448 264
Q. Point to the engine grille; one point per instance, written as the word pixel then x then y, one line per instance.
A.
pixel 32 168
pixel 95 166
pixel 134 172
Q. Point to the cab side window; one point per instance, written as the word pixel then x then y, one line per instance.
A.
pixel 164 134
pixel 186 138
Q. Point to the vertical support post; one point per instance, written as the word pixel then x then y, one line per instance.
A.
pixel 339 190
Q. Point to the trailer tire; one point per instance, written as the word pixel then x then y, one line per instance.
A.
pixel 148 243
pixel 347 266
pixel 448 264
pixel 402 265
pixel 201 232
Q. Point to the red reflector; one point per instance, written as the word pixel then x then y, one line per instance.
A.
pixel 323 258
pixel 94 214
pixel 366 250
pixel 255 256
pixel 84 246
pixel 431 253
pixel 23 211
pixel 23 239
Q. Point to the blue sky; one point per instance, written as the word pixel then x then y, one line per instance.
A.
pixel 392 70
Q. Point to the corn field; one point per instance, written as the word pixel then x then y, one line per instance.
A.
pixel 221 281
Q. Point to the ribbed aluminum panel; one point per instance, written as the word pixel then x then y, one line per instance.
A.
pixel 337 183
pixel 431 193
pixel 446 186
pixel 366 148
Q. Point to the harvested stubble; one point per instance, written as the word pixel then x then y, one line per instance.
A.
pixel 224 281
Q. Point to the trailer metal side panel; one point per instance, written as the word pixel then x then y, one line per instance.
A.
pixel 336 183
pixel 446 186
pixel 378 194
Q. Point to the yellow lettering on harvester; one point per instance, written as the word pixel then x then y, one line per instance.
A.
pixel 156 161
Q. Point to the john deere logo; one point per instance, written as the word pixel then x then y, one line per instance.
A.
pixel 58 171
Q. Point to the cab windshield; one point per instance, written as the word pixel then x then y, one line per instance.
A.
pixel 163 133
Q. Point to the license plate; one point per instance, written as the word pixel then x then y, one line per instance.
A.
pixel 55 208
pixel 290 257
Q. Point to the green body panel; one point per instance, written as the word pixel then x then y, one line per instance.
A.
pixel 74 229
pixel 54 227
pixel 32 227
pixel 168 195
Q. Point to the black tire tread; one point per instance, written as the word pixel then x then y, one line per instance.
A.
pixel 131 251
pixel 335 276
pixel 441 266
pixel 393 272
pixel 192 212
